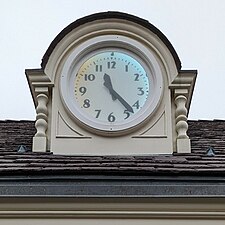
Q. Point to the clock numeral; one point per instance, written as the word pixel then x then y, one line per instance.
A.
pixel 82 90
pixel 98 68
pixel 126 68
pixel 136 77
pixel 136 105
pixel 86 103
pixel 127 114
pixel 111 118
pixel 98 113
pixel 141 92
pixel 111 65
pixel 89 77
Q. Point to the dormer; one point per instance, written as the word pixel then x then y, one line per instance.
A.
pixel 111 84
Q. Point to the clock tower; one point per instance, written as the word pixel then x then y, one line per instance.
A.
pixel 111 84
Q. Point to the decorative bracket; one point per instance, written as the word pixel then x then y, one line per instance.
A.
pixel 183 141
pixel 182 88
pixel 40 86
pixel 40 138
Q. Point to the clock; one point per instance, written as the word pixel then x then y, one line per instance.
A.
pixel 111 85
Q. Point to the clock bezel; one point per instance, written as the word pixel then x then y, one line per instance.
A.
pixel 89 48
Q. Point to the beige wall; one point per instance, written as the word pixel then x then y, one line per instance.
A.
pixel 71 221
pixel 112 211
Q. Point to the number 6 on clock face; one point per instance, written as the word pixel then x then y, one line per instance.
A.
pixel 111 88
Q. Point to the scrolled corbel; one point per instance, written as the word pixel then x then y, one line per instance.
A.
pixel 41 124
pixel 181 117
pixel 42 115
pixel 183 141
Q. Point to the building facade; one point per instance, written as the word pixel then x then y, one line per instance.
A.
pixel 158 168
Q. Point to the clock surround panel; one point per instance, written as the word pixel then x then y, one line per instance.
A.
pixel 135 82
pixel 163 130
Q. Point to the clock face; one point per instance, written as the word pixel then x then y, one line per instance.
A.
pixel 111 89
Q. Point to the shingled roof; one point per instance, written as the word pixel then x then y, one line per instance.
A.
pixel 204 134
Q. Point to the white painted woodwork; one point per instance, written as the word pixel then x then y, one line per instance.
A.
pixel 164 132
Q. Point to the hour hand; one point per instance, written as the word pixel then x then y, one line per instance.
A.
pixel 108 84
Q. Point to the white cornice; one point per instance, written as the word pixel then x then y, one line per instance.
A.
pixel 36 79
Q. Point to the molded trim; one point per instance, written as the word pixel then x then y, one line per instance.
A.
pixel 110 15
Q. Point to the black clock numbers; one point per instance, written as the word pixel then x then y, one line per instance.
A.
pixel 89 77
pixel 98 68
pixel 112 65
pixel 82 90
pixel 86 103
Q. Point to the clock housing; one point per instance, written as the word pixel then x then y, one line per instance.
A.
pixel 134 73
pixel 111 84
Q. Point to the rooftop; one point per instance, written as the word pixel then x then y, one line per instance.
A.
pixel 199 174
pixel 204 134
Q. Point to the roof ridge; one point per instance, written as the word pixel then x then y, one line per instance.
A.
pixel 206 120
pixel 15 121
pixel 191 120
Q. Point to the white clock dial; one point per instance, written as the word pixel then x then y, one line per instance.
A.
pixel 111 88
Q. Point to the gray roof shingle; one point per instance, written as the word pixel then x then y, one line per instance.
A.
pixel 203 134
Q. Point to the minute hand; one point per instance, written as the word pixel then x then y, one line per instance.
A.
pixel 108 84
pixel 123 102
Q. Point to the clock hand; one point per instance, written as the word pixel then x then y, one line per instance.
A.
pixel 115 95
pixel 123 102
pixel 108 84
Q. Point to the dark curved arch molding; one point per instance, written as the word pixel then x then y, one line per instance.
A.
pixel 108 15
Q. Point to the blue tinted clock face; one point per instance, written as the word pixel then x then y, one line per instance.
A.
pixel 111 89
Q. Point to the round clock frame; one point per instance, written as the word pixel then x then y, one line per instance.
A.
pixel 119 111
